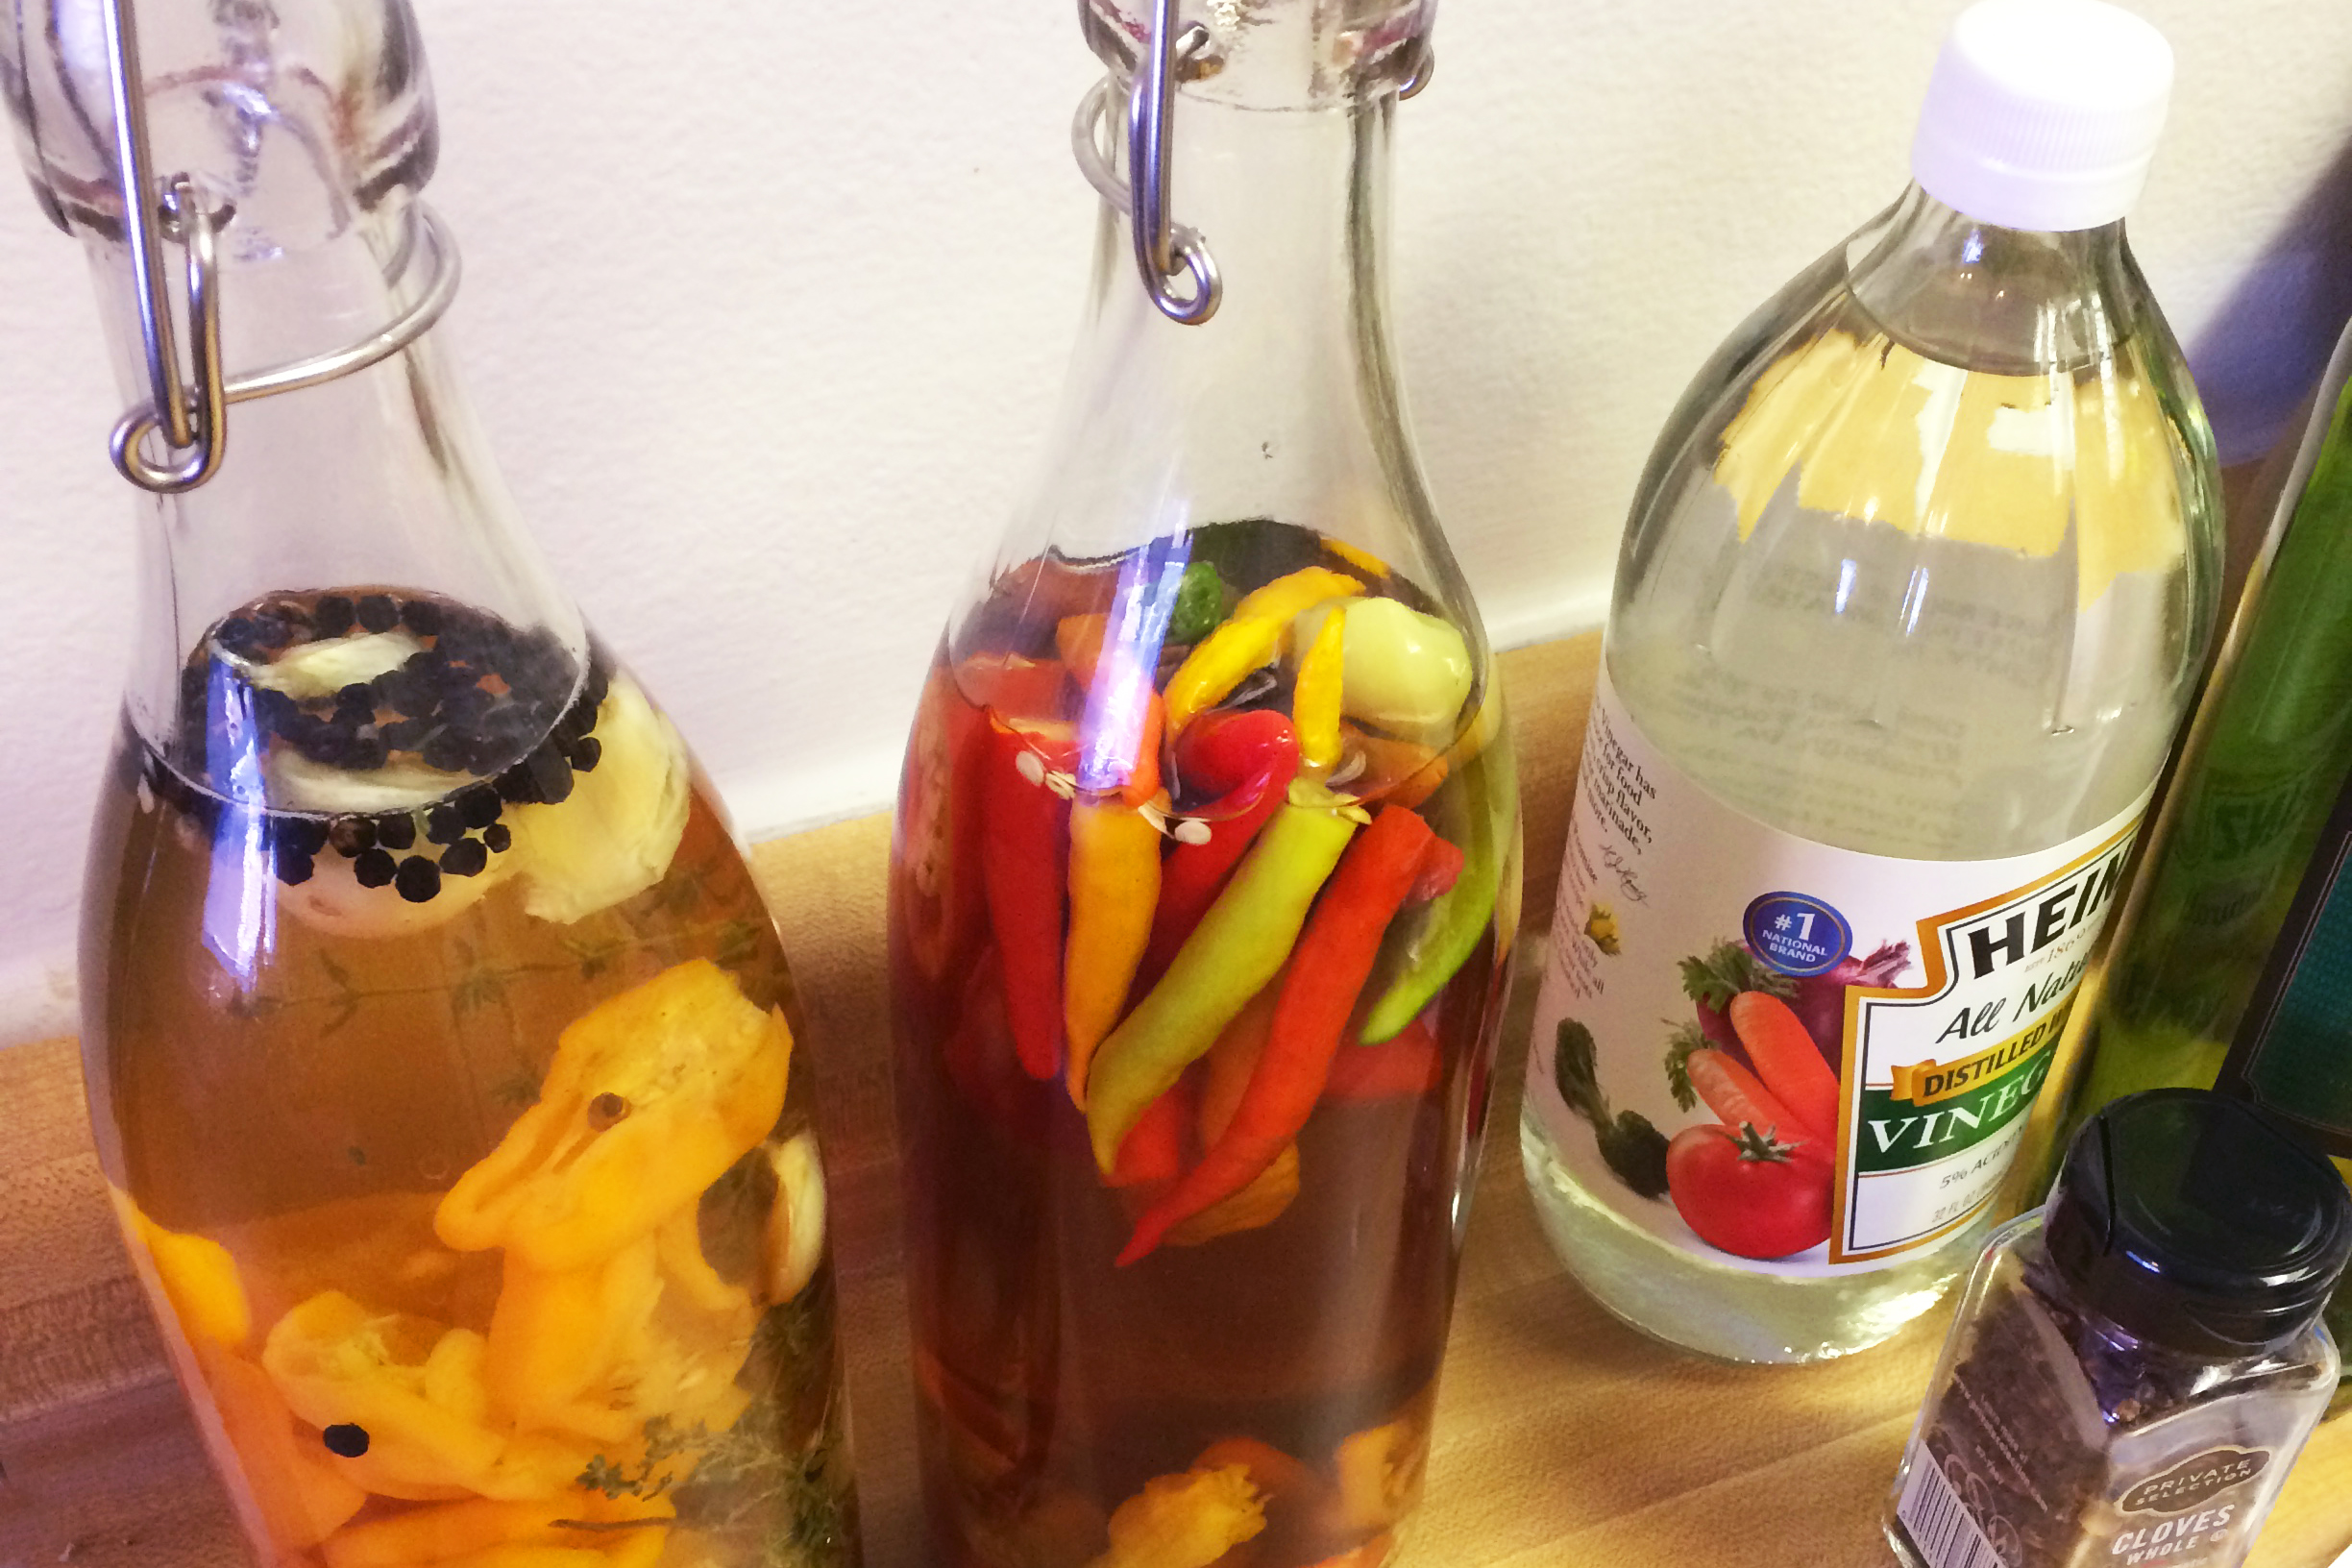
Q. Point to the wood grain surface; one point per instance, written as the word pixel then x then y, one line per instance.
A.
pixel 1562 1437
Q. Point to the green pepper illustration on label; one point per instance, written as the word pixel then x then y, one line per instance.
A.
pixel 1768 1050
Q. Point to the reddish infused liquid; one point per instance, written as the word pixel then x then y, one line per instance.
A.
pixel 1256 1379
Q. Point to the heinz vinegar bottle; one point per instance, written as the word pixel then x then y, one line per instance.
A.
pixel 440 1052
pixel 1913 593
pixel 1207 867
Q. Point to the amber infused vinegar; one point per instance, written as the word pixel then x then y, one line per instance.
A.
pixel 442 1067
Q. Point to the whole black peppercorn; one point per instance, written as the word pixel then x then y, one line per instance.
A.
pixel 378 613
pixel 586 752
pixel 237 635
pixel 443 825
pixel 551 775
pixel 465 858
pixel 418 879
pixel 444 750
pixel 422 616
pixel 345 1440
pixel 332 616
pixel 516 786
pixel 396 830
pixel 499 837
pixel 374 868
pixel 477 804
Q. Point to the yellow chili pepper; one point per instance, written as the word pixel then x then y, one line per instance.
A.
pixel 1248 638
pixel 651 1096
pixel 1184 1521
pixel 1115 890
pixel 452 1531
pixel 1315 700
pixel 291 1478
pixel 337 1364
pixel 198 1275
pixel 553 1336
pixel 1379 1472
pixel 525 1554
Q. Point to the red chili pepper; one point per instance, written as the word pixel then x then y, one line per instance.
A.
pixel 1251 757
pixel 1155 1150
pixel 1328 969
pixel 982 1061
pixel 1024 691
pixel 1025 854
pixel 1409 1067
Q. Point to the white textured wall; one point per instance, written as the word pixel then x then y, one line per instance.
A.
pixel 766 307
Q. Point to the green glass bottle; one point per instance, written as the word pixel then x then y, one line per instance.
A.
pixel 2233 965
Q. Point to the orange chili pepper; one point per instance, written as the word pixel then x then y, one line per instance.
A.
pixel 1079 640
pixel 1114 889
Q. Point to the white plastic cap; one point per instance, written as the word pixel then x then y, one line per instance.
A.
pixel 2043 114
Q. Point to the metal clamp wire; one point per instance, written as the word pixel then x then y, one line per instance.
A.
pixel 195 421
pixel 1166 249
pixel 411 324
pixel 153 295
pixel 206 424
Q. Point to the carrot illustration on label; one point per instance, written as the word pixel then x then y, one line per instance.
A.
pixel 1786 1059
pixel 1696 1071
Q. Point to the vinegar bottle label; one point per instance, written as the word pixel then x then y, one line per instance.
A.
pixel 1786 1055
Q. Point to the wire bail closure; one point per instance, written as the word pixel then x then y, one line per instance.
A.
pixel 194 419
pixel 1166 249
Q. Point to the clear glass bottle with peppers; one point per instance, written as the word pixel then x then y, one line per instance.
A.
pixel 1207 869
pixel 440 1050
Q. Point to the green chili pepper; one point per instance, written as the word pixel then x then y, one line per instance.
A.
pixel 1200 603
pixel 1458 918
pixel 1230 957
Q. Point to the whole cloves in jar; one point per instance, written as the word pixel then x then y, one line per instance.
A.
pixel 2134 1368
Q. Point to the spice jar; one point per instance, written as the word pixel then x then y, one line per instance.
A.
pixel 2134 1368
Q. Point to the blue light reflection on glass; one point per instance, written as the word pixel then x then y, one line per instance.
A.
pixel 1915 600
pixel 1124 677
pixel 1846 582
pixel 240 913
pixel 1971 249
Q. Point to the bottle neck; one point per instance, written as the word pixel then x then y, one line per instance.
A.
pixel 1285 404
pixel 375 478
pixel 2005 301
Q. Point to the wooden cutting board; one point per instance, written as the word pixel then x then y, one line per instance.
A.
pixel 1562 1437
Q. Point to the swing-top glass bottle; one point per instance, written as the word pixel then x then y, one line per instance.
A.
pixel 1207 867
pixel 439 1047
